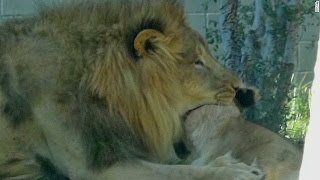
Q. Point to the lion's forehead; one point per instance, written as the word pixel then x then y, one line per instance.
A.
pixel 194 45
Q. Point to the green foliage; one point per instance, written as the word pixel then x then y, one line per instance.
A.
pixel 298 114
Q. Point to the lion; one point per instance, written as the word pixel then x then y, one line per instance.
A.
pixel 97 90
pixel 215 130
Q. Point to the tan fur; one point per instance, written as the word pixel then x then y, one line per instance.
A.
pixel 101 95
pixel 214 130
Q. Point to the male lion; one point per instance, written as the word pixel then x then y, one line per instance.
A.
pixel 214 130
pixel 96 90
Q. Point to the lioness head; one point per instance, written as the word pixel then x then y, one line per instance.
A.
pixel 154 69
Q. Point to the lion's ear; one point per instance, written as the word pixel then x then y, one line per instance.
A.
pixel 144 41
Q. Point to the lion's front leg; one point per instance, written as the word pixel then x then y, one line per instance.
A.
pixel 228 165
pixel 141 170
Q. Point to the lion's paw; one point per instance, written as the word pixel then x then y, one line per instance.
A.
pixel 230 168
pixel 251 174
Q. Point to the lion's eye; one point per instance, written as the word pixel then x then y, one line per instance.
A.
pixel 199 63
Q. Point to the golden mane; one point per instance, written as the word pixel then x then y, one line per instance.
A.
pixel 148 106
pixel 145 97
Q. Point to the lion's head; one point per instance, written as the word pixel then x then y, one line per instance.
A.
pixel 152 68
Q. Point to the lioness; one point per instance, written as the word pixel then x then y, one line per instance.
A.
pixel 214 130
pixel 96 89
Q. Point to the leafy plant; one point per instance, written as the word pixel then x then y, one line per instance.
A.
pixel 298 114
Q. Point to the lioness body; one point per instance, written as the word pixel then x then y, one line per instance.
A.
pixel 215 130
pixel 97 89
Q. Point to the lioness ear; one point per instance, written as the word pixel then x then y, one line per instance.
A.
pixel 143 41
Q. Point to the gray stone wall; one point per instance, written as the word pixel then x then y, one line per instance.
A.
pixel 201 12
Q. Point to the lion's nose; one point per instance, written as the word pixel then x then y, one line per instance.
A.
pixel 236 83
pixel 235 80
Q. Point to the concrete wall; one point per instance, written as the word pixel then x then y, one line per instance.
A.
pixel 201 12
